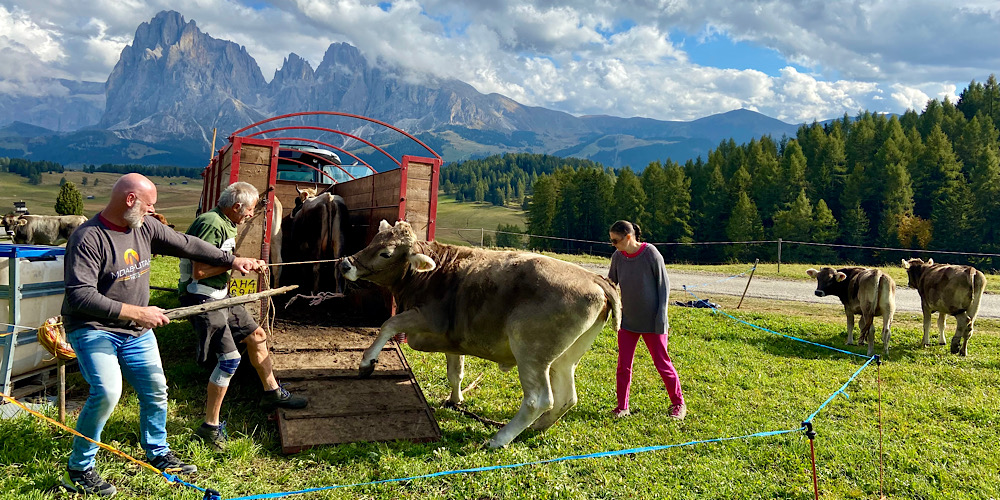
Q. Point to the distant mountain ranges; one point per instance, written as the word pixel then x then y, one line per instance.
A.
pixel 174 84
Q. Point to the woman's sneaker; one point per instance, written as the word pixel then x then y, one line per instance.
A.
pixel 678 412
pixel 87 482
pixel 280 398
pixel 212 435
pixel 620 413
pixel 169 463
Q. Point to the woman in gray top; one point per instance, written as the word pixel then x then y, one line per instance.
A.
pixel 639 270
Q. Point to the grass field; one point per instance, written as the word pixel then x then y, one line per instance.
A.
pixel 939 414
pixel 176 202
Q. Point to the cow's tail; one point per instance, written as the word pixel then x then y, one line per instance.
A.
pixel 978 285
pixel 613 301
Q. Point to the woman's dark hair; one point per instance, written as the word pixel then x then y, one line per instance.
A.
pixel 626 227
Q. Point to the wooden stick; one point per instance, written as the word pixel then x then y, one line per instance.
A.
pixel 755 262
pixel 183 312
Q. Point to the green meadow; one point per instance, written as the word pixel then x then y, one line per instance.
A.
pixel 937 439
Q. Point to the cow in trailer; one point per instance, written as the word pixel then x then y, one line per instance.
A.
pixel 514 308
pixel 316 232
pixel 868 292
pixel 44 229
pixel 947 289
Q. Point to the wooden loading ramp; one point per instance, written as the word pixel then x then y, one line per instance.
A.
pixel 321 363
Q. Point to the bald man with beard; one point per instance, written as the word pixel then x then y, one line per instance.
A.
pixel 109 322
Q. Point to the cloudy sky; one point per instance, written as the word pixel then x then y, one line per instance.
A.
pixel 796 60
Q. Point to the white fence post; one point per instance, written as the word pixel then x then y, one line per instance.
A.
pixel 779 255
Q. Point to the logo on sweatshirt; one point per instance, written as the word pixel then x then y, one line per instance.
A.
pixel 131 257
pixel 134 266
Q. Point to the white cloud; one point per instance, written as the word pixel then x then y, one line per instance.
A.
pixel 579 56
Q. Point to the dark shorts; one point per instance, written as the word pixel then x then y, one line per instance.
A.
pixel 219 331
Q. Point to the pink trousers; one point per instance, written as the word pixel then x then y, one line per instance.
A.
pixel 657 346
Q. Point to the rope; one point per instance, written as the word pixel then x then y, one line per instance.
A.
pixel 472 415
pixel 714 309
pixel 630 451
pixel 841 390
pixel 75 433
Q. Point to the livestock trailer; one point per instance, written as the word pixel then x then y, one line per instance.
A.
pixel 317 341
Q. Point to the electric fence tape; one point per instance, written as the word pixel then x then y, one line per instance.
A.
pixel 210 494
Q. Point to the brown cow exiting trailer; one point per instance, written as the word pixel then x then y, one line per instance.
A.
pixel 318 352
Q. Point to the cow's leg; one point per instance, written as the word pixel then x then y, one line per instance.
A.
pixel 886 323
pixel 456 370
pixel 927 326
pixel 963 331
pixel 867 322
pixel 941 317
pixel 537 400
pixel 850 325
pixel 563 376
pixel 406 321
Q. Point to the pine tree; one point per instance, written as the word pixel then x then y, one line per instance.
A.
pixel 542 211
pixel 825 230
pixel 744 225
pixel 795 223
pixel 793 169
pixel 62 181
pixel 84 181
pixel 952 208
pixel 934 169
pixel 854 228
pixel 629 198
pixel 654 184
pixel 766 184
pixel 69 201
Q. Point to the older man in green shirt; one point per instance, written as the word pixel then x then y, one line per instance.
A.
pixel 221 331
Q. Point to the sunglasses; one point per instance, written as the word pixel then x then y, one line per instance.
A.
pixel 615 241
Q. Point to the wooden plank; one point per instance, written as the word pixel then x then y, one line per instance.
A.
pixel 306 365
pixel 420 171
pixel 254 154
pixel 299 435
pixel 418 193
pixel 355 397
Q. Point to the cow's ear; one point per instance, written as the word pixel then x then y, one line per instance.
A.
pixel 906 265
pixel 384 226
pixel 422 263
pixel 930 262
pixel 22 221
pixel 841 277
pixel 812 272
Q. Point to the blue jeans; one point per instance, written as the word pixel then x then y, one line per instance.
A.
pixel 104 358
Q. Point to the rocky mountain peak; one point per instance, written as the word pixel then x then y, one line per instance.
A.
pixel 294 69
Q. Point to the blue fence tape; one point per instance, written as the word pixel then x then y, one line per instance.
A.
pixel 630 451
pixel 211 494
pixel 734 318
pixel 841 390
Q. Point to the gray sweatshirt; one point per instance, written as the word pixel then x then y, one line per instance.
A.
pixel 645 290
pixel 108 265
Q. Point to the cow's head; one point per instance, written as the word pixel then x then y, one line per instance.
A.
pixel 827 279
pixel 388 257
pixel 914 268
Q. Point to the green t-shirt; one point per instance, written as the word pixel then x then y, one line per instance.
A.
pixel 215 228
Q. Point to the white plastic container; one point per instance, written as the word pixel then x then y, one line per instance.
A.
pixel 33 311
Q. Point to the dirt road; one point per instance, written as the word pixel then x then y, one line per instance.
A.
pixel 704 285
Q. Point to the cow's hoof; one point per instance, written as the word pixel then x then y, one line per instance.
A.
pixel 366 371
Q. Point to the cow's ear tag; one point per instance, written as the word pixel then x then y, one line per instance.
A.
pixel 811 272
pixel 384 226
pixel 422 263
pixel 841 277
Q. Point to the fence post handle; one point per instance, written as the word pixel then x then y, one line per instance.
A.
pixel 779 255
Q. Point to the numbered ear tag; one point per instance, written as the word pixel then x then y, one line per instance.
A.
pixel 242 286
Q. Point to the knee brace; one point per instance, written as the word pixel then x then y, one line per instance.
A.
pixel 224 370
